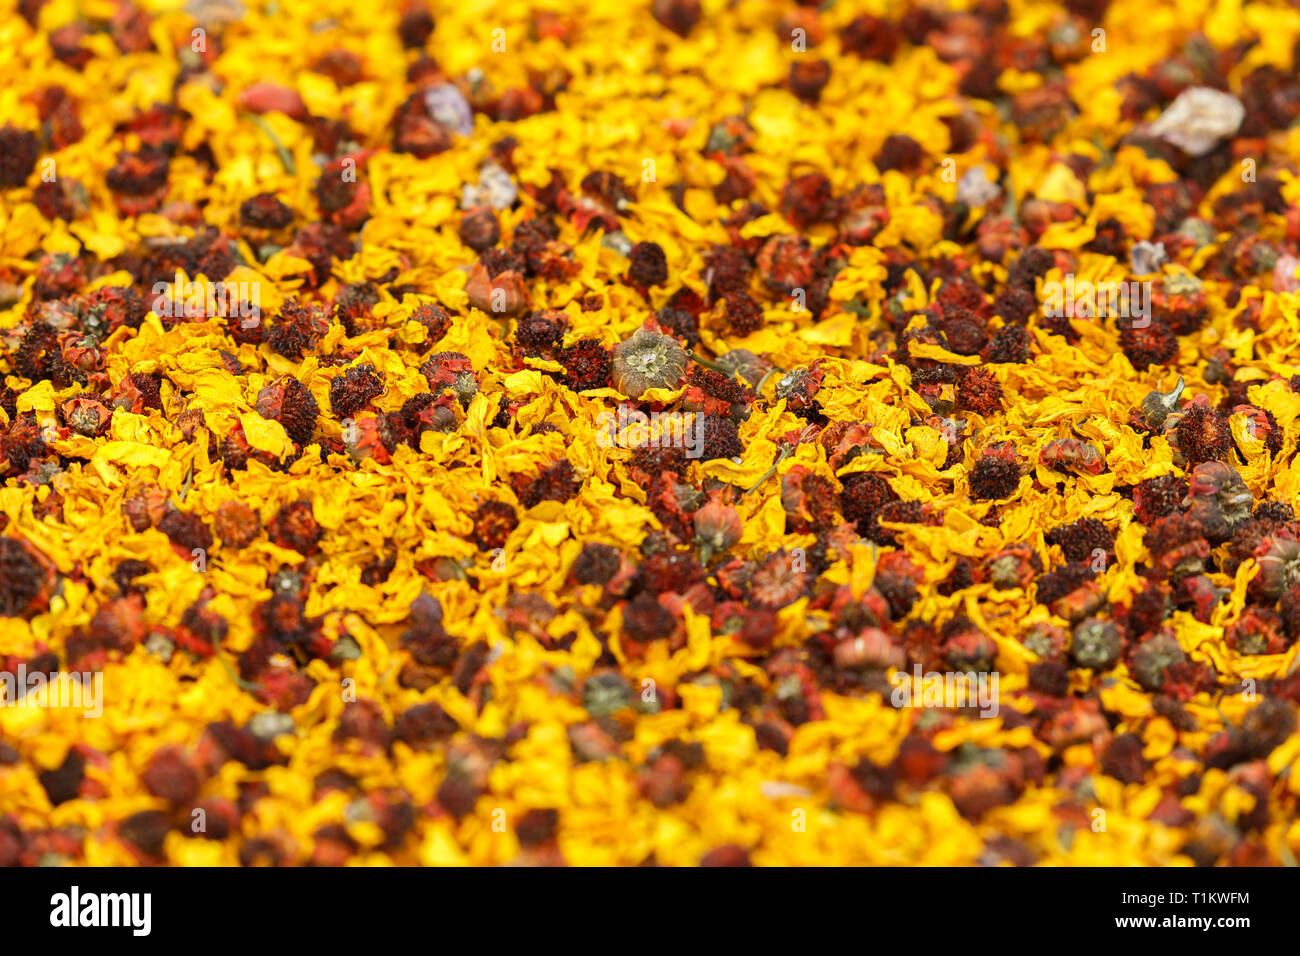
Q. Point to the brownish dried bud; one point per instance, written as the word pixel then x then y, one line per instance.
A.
pixel 647 360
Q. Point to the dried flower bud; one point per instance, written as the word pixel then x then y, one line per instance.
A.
pixel 479 229
pixel 1157 405
pixel 717 528
pixel 236 524
pixel 290 403
pixel 26 578
pixel 145 508
pixel 1218 499
pixel 1013 567
pixel 1095 644
pixel 1278 555
pixel 86 416
pixel 870 649
pixel 647 360
pixel 503 295
pixel 1153 656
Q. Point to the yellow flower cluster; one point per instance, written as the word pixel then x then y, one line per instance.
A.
pixel 308 328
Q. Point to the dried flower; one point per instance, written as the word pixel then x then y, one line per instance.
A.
pixel 290 403
pixel 353 390
pixel 1198 119
pixel 1095 644
pixel 647 360
pixel 1217 499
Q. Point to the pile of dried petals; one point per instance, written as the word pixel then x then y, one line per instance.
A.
pixel 327 330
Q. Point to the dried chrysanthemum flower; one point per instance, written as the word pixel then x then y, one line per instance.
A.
pixel 236 524
pixel 265 211
pixel 292 404
pixel 779 580
pixel 86 416
pixel 435 320
pixel 1095 644
pixel 1013 567
pixel 1157 405
pixel 1153 657
pixel 353 390
pixel 1180 300
pixel 186 532
pixel 1218 499
pixel 1199 433
pixel 138 391
pixel 1258 631
pixel 297 328
pixel 493 523
pixel 645 619
pixel 647 265
pixel 717 528
pixel 145 507
pixel 1149 343
pixel 1177 544
pixel 501 295
pixel 556 483
pixel 26 578
pixel 1082 540
pixel 865 294
pixel 799 387
pixel 479 229
pixel 19 149
pixel 979 392
pixel 294 526
pixel 744 315
pixel 1278 556
pixel 680 16
pixel 1153 498
pixel 870 649
pixel 587 364
pixel 995 475
pixel 647 360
